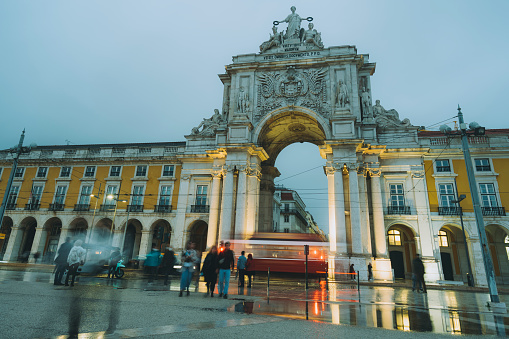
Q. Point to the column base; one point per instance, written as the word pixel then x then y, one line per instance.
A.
pixel 382 269
pixel 339 267
pixel 432 270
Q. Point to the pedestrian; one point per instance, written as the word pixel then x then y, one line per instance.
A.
pixel 241 268
pixel 210 270
pixel 114 259
pixel 152 263
pixel 352 272
pixel 370 271
pixel 74 260
pixel 250 269
pixel 226 265
pixel 61 261
pixel 189 259
pixel 418 270
pixel 167 263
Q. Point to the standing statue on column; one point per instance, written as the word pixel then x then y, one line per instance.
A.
pixel 243 101
pixel 293 20
pixel 342 94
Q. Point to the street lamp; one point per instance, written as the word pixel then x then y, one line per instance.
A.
pixel 112 197
pixel 97 197
pixel 488 264
pixel 470 277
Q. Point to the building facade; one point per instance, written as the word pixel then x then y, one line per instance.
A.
pixel 291 212
pixel 389 195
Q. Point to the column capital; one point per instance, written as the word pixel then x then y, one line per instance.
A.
pixel 228 168
pixel 418 174
pixel 333 167
pixel 374 172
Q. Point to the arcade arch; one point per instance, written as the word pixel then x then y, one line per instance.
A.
pixel 28 228
pixel 452 253
pixel 131 246
pixel 6 233
pixel 160 232
pixel 498 241
pixel 402 250
pixel 197 233
pixel 50 237
pixel 78 229
pixel 101 234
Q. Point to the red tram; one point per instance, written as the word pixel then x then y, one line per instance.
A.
pixel 284 252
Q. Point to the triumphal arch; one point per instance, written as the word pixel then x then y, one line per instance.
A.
pixel 297 90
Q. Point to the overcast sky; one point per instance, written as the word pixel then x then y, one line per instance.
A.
pixel 143 71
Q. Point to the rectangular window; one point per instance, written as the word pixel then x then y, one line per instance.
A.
pixel 165 196
pixel 397 196
pixel 41 172
pixel 286 218
pixel 111 190
pixel 60 194
pixel 488 196
pixel 65 172
pixel 201 195
pixel 19 172
pixel 443 165
pixel 287 230
pixel 85 195
pixel 36 195
pixel 115 171
pixel 141 171
pixel 394 238
pixel 482 165
pixel 13 196
pixel 287 207
pixel 168 170
pixel 90 171
pixel 446 195
pixel 137 198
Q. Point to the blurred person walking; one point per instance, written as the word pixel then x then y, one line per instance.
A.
pixel 189 259
pixel 114 259
pixel 167 263
pixel 370 272
pixel 418 270
pixel 226 264
pixel 250 269
pixel 61 261
pixel 241 268
pixel 210 270
pixel 152 263
pixel 74 260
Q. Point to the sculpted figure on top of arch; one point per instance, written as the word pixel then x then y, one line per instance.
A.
pixel 387 119
pixel 275 40
pixel 312 36
pixel 293 20
pixel 210 125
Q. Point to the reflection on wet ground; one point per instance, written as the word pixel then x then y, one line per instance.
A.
pixel 438 311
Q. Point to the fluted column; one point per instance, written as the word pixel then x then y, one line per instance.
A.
pixel 355 210
pixel 36 244
pixel 145 237
pixel 240 211
pixel 365 228
pixel 337 223
pixel 253 193
pixel 225 225
pixel 378 214
pixel 214 209
pixel 329 170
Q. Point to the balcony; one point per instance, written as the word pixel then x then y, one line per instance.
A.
pixel 200 208
pixel 398 210
pixel 135 208
pixel 56 207
pixel 442 169
pixel 82 207
pixel 33 206
pixel 107 208
pixel 493 211
pixel 10 206
pixel 162 208
pixel 450 211
pixel 297 213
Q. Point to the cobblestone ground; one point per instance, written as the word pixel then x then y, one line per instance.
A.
pixel 32 307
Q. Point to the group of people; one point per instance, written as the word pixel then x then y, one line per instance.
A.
pixel 69 258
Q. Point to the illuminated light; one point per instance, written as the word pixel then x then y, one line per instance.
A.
pixel 321 257
pixel 110 196
pixel 316 308
pixel 314 252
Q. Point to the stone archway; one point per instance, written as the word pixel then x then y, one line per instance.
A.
pixel 49 240
pixel 161 234
pixel 101 234
pixel 402 250
pixel 131 245
pixel 78 229
pixel 5 233
pixel 28 226
pixel 498 240
pixel 198 235
pixel 452 253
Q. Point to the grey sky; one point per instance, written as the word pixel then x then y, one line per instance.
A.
pixel 141 71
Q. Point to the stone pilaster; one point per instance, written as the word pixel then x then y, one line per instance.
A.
pixel 378 214
pixel 144 244
pixel 214 209
pixel 337 222
pixel 253 192
pixel 40 234
pixel 11 253
pixel 355 211
pixel 365 228
pixel 240 213
pixel 225 226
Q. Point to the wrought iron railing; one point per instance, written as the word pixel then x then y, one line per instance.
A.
pixel 32 206
pixel 135 208
pixel 200 208
pixel 493 211
pixel 82 207
pixel 107 208
pixel 453 210
pixel 398 210
pixel 56 207
pixel 162 208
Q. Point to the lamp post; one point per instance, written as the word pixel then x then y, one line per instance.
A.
pixel 112 197
pixel 488 264
pixel 470 277
pixel 97 197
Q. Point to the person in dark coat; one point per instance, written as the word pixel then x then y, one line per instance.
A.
pixel 352 272
pixel 61 261
pixel 370 272
pixel 167 263
pixel 250 269
pixel 210 269
pixel 114 259
pixel 418 269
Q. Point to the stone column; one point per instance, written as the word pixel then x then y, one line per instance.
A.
pixel 378 214
pixel 253 193
pixel 355 211
pixel 240 215
pixel 183 206
pixel 11 253
pixel 225 226
pixel 366 230
pixel 36 244
pixel 266 198
pixel 144 242
pixel 214 209
pixel 339 197
pixel 329 170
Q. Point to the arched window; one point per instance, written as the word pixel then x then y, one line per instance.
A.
pixel 394 238
pixel 442 239
pixel 506 241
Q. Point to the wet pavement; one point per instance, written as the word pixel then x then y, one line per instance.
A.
pixel 133 308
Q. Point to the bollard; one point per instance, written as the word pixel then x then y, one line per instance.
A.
pixel 268 280
pixel 327 278
pixel 358 285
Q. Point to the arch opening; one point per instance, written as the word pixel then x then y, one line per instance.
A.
pixel 402 250
pixel 6 230
pixel 198 234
